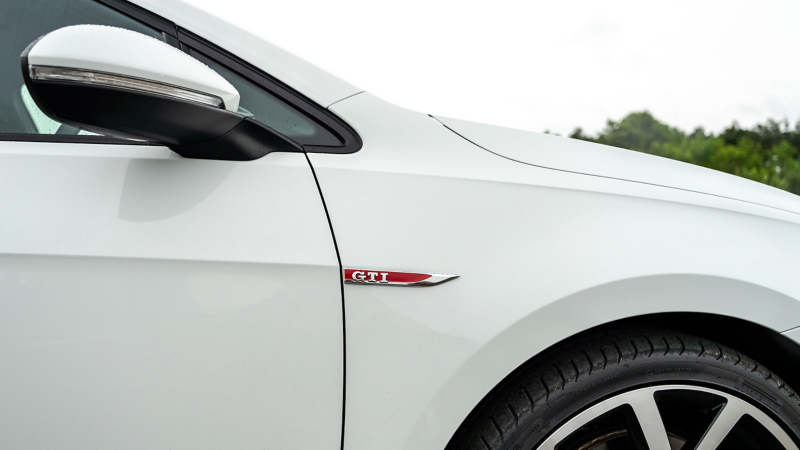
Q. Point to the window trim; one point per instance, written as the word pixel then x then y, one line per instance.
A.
pixel 70 139
pixel 185 39
pixel 140 14
pixel 322 116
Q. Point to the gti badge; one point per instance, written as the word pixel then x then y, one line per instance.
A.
pixel 386 278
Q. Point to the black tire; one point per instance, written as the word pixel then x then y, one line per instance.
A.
pixel 528 406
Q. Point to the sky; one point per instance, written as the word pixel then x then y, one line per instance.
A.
pixel 550 65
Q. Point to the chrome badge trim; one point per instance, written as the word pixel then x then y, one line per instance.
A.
pixel 394 278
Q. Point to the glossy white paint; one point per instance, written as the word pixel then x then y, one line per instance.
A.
pixel 318 85
pixel 127 53
pixel 150 301
pixel 541 254
pixel 555 152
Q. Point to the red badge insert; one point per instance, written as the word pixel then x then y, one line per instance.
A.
pixel 388 278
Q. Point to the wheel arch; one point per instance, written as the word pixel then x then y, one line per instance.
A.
pixel 741 315
pixel 777 352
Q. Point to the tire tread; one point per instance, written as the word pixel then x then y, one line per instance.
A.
pixel 533 391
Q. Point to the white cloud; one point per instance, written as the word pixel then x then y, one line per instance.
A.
pixel 550 65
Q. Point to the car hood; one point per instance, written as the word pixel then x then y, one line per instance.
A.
pixel 572 155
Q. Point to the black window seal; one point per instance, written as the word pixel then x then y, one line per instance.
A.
pixel 144 16
pixel 136 12
pixel 322 116
pixel 70 139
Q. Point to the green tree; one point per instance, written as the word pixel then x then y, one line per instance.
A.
pixel 767 153
pixel 640 131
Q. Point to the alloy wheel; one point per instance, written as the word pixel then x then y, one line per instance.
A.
pixel 670 417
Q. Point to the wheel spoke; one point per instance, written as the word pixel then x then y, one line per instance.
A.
pixel 644 406
pixel 721 426
pixel 646 428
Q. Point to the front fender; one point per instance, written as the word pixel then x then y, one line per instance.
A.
pixel 541 254
pixel 553 323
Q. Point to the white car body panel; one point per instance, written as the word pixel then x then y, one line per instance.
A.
pixel 555 152
pixel 317 84
pixel 542 254
pixel 151 301
pixel 128 53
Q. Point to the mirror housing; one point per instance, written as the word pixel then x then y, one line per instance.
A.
pixel 122 83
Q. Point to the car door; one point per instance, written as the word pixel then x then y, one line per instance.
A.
pixel 152 301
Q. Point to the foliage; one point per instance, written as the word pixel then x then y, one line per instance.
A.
pixel 767 153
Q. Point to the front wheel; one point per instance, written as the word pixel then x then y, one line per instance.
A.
pixel 643 390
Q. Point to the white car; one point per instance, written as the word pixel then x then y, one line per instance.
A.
pixel 208 243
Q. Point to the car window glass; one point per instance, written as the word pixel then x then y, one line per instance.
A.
pixel 271 111
pixel 22 22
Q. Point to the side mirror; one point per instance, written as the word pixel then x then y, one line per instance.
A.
pixel 122 83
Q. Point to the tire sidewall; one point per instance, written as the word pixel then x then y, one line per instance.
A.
pixel 634 374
